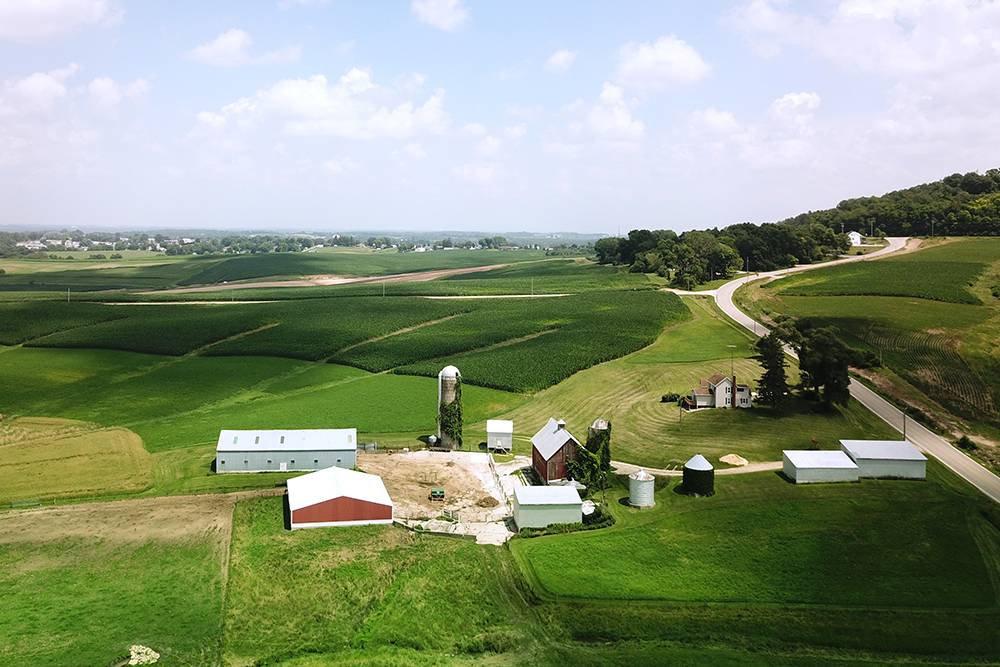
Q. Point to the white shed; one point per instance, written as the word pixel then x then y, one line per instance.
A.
pixel 893 459
pixel 538 506
pixel 281 451
pixel 338 497
pixel 499 435
pixel 812 466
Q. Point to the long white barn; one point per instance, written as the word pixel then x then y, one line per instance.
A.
pixel 886 459
pixel 279 451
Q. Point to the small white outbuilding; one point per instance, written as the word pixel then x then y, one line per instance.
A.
pixel 886 459
pixel 338 497
pixel 499 435
pixel 539 506
pixel 818 466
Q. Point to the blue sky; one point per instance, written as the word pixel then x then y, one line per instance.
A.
pixel 484 115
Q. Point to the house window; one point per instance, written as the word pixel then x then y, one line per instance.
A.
pixel 729 401
pixel 743 401
pixel 729 389
pixel 235 438
pixel 282 440
pixel 256 440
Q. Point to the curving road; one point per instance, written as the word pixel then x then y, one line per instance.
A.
pixel 927 441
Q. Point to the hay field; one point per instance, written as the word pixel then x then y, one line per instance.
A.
pixel 61 458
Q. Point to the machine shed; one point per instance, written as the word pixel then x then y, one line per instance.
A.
pixel 338 497
pixel 892 459
pixel 280 451
pixel 539 506
pixel 818 466
pixel 499 435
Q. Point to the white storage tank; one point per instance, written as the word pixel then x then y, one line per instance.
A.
pixel 640 489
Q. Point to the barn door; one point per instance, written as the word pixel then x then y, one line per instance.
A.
pixel 284 467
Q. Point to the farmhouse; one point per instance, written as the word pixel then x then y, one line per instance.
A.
pixel 265 451
pixel 338 497
pixel 499 434
pixel 539 506
pixel 719 391
pixel 857 238
pixel 551 448
pixel 812 466
pixel 886 459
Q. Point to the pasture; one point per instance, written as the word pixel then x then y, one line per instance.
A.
pixel 45 459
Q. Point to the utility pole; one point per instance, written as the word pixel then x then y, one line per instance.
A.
pixel 904 423
pixel 731 349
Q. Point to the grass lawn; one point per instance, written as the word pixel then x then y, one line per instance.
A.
pixel 627 392
pixel 80 603
pixel 57 458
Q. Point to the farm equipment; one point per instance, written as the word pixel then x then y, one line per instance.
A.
pixel 437 494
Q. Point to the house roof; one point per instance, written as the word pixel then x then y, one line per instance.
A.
pixel 499 426
pixel 321 439
pixel 811 458
pixel 547 495
pixel 889 450
pixel 703 391
pixel 717 378
pixel 329 483
pixel 551 438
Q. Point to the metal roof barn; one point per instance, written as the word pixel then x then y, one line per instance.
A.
pixel 280 451
pixel 500 434
pixel 886 459
pixel 338 497
pixel 818 466
pixel 551 447
pixel 539 506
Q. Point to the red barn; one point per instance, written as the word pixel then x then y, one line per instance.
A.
pixel 338 497
pixel 551 448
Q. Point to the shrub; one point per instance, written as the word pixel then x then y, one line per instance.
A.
pixel 670 398
pixel 965 443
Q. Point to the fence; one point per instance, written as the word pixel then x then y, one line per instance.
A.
pixel 496 479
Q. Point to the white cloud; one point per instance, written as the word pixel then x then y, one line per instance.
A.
pixel 479 172
pixel 474 129
pixel 32 21
pixel 345 47
pixel 715 122
pixel 611 117
pixel 444 14
pixel 489 146
pixel 515 131
pixel 668 62
pixel 340 166
pixel 350 108
pixel 229 49
pixel 560 61
pixel 37 93
pixel 106 93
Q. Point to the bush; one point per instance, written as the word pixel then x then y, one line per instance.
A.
pixel 116 255
pixel 966 444
pixel 670 398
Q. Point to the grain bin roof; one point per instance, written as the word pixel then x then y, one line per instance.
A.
pixel 323 485
pixel 698 462
pixel 641 475
pixel 449 372
pixel 326 439
pixel 499 426
pixel 551 438
pixel 811 458
pixel 888 450
pixel 547 495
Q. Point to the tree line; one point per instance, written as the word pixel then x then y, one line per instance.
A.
pixel 957 205
pixel 697 257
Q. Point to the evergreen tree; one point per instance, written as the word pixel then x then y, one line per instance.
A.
pixel 773 383
pixel 824 360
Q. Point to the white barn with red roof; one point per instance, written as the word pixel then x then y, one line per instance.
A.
pixel 338 497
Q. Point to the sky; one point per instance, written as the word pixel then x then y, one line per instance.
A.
pixel 481 115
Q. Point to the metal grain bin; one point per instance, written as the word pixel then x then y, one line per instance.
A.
pixel 699 477
pixel 640 489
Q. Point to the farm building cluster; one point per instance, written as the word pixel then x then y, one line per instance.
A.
pixel 856 459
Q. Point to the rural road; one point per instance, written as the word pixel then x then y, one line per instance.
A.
pixel 927 441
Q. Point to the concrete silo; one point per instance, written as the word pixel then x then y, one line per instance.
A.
pixel 640 489
pixel 449 408
pixel 699 477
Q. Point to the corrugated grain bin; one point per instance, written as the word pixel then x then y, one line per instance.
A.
pixel 699 477
pixel 640 489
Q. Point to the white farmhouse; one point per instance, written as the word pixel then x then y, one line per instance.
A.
pixel 719 391
pixel 857 238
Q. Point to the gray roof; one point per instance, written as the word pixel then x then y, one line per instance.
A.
pixel 698 462
pixel 551 439
pixel 547 495
pixel 889 450
pixel 315 439
pixel 812 458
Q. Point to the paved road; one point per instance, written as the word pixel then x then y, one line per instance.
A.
pixel 927 441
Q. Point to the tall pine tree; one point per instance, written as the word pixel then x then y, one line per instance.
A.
pixel 773 383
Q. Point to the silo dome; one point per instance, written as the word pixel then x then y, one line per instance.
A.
pixel 640 489
pixel 449 372
pixel 699 477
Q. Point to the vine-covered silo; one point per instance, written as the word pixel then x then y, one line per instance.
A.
pixel 449 408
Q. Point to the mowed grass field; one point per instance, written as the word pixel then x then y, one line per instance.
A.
pixel 929 314
pixel 44 459
pixel 645 431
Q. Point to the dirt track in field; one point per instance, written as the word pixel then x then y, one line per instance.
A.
pixel 315 281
